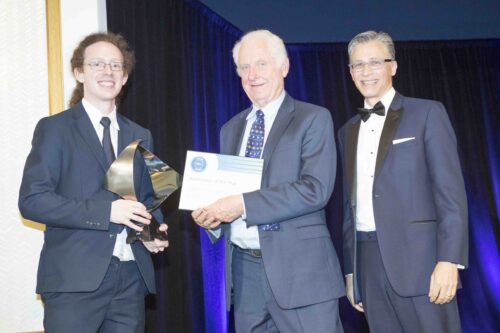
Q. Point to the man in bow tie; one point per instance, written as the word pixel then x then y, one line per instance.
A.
pixel 281 266
pixel 405 209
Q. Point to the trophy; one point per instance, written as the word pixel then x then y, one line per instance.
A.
pixel 164 181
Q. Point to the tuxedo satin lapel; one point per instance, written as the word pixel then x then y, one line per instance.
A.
pixel 390 126
pixel 352 133
pixel 283 118
pixel 88 135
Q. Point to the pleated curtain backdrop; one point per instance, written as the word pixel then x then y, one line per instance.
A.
pixel 185 88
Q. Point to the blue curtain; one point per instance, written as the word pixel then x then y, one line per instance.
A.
pixel 185 88
pixel 215 98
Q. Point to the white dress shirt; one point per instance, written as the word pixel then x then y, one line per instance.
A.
pixel 122 250
pixel 366 157
pixel 242 235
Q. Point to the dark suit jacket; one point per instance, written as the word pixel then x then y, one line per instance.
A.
pixel 62 187
pixel 419 198
pixel 298 179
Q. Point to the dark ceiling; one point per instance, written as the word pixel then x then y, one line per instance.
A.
pixel 317 21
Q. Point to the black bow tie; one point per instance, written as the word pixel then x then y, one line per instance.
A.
pixel 377 109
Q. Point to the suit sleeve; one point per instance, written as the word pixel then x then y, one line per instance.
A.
pixel 311 190
pixel 448 187
pixel 38 197
pixel 348 222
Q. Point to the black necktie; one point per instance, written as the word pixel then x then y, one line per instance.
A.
pixel 107 146
pixel 377 109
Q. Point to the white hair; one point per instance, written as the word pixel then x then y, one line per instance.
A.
pixel 275 44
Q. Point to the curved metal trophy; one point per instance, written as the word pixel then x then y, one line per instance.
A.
pixel 120 180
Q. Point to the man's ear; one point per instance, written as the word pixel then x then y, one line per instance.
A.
pixel 352 75
pixel 394 67
pixel 78 74
pixel 285 67
pixel 124 79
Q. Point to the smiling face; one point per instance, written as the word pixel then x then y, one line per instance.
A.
pixel 100 88
pixel 262 78
pixel 372 84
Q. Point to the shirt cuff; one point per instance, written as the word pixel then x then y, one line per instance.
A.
pixel 215 232
pixel 244 215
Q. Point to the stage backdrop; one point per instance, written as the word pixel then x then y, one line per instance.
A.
pixel 185 88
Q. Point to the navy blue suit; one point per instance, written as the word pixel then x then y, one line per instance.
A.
pixel 419 200
pixel 62 187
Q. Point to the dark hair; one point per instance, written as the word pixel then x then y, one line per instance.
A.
pixel 79 53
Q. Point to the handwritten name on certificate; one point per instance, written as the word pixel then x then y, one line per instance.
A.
pixel 208 177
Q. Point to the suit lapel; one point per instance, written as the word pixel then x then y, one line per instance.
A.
pixel 390 126
pixel 351 151
pixel 239 132
pixel 283 118
pixel 89 136
pixel 125 134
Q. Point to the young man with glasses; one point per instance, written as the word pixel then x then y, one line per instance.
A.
pixel 405 209
pixel 89 278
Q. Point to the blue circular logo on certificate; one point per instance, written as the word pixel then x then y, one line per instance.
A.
pixel 198 164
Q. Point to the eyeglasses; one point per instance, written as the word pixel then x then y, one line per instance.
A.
pixel 373 64
pixel 259 66
pixel 101 65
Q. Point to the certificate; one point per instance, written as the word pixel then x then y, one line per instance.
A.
pixel 208 177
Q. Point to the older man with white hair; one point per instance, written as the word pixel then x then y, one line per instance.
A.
pixel 281 266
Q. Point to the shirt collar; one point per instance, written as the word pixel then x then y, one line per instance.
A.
pixel 95 115
pixel 386 99
pixel 270 109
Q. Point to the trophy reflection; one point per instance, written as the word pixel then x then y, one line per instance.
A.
pixel 164 181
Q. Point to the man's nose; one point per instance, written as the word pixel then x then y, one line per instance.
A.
pixel 107 68
pixel 252 72
pixel 366 69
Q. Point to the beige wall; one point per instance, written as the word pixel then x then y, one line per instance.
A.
pixel 24 99
pixel 79 18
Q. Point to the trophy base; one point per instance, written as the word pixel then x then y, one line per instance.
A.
pixel 149 233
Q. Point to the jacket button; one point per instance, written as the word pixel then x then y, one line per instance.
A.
pixel 111 235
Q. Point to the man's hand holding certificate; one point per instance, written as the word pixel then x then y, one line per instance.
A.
pixel 226 209
pixel 213 184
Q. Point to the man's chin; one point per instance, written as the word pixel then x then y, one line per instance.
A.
pixel 258 101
